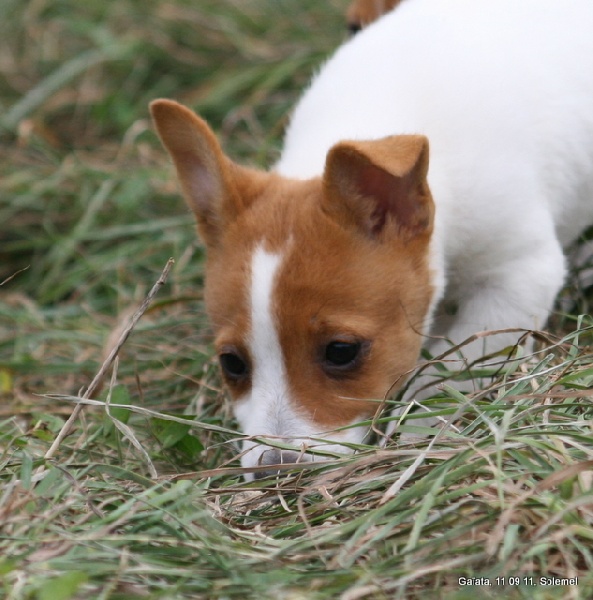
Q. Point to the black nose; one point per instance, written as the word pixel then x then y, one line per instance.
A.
pixel 276 457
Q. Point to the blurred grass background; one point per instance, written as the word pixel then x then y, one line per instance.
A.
pixel 89 215
pixel 89 206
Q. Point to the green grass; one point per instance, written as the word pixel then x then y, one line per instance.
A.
pixel 142 500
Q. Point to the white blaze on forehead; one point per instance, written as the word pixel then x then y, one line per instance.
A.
pixel 265 410
pixel 268 362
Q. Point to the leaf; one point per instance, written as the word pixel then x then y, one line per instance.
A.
pixel 6 566
pixel 63 587
pixel 119 395
pixel 46 485
pixel 172 434
pixel 6 381
pixel 169 433
pixel 190 446
pixel 26 471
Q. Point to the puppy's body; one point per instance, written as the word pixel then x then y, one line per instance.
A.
pixel 324 278
pixel 504 92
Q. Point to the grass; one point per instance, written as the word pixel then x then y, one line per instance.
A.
pixel 144 498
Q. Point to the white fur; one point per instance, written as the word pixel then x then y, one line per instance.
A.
pixel 267 411
pixel 503 89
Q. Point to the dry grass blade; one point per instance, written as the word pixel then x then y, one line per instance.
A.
pixel 141 411
pixel 126 431
pixel 98 379
pixel 549 482
pixel 11 277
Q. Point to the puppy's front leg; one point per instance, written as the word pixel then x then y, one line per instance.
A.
pixel 516 293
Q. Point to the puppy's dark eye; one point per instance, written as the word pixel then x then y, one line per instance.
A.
pixel 342 355
pixel 233 366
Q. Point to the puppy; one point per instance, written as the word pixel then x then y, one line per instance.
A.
pixel 326 276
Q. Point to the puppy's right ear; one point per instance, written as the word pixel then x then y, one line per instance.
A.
pixel 379 187
pixel 207 176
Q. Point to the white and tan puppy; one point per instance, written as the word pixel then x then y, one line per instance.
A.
pixel 327 275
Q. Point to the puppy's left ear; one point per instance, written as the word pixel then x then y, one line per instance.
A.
pixel 215 188
pixel 379 187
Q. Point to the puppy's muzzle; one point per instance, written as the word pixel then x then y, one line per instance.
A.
pixel 277 457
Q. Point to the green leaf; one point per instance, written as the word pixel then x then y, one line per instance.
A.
pixel 63 587
pixel 26 470
pixel 169 433
pixel 46 485
pixel 6 566
pixel 119 395
pixel 190 446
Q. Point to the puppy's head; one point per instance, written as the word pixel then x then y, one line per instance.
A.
pixel 318 290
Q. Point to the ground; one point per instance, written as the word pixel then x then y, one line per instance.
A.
pixel 146 500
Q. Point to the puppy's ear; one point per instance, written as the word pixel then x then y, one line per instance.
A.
pixel 210 181
pixel 379 187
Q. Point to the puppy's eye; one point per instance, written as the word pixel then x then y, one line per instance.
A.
pixel 233 366
pixel 342 355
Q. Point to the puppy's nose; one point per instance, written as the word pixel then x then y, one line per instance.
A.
pixel 276 457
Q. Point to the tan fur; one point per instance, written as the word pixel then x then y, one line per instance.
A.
pixel 392 168
pixel 355 259
pixel 210 182
pixel 361 13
